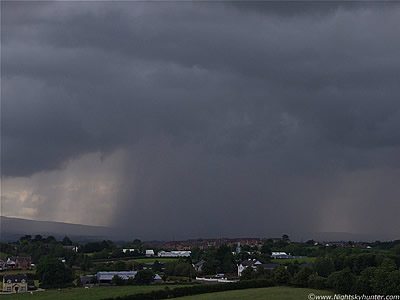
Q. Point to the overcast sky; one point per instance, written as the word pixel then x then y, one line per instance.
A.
pixel 201 119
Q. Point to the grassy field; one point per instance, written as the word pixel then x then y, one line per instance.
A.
pixel 292 260
pixel 95 293
pixel 271 293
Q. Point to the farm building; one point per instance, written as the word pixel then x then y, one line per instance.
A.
pixel 174 253
pixel 105 278
pixel 149 253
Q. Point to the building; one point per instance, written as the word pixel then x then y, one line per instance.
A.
pixel 17 263
pixel 3 264
pixel 174 254
pixel 238 248
pixel 198 267
pixel 15 283
pixel 23 262
pixel 131 250
pixel 105 278
pixel 72 248
pixel 149 252
pixel 88 280
pixel 31 285
pixel 280 255
pixel 11 264
pixel 252 263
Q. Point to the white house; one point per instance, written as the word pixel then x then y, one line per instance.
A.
pixel 252 263
pixel 150 252
pixel 279 255
pixel 128 250
pixel 174 253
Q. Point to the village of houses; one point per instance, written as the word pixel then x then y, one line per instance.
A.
pixel 17 280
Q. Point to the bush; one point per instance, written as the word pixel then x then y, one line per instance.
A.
pixel 144 277
pixel 196 289
pixel 301 277
pixel 342 281
pixel 316 282
pixel 281 275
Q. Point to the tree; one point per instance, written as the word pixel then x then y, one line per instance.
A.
pixel 316 282
pixel 248 274
pixel 324 266
pixel 210 267
pixel 265 249
pixel 136 242
pixel 157 266
pixel 144 277
pixel 364 282
pixel 120 266
pixel 85 263
pixel 301 277
pixel 116 280
pixel 281 276
pixel 53 273
pixel 342 281
pixel 26 237
pixel 66 241
pixel 37 238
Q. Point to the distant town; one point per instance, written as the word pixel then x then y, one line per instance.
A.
pixel 38 264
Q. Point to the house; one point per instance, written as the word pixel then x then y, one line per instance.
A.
pixel 199 265
pixel 252 263
pixel 15 283
pixel 87 280
pixel 158 279
pixel 105 278
pixel 131 250
pixel 23 262
pixel 72 248
pixel 174 253
pixel 3 264
pixel 149 252
pixel 11 264
pixel 31 285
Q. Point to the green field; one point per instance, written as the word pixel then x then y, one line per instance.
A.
pixel 292 260
pixel 271 293
pixel 95 293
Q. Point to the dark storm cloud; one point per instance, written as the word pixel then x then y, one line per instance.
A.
pixel 250 106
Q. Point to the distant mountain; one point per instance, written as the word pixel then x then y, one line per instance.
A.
pixel 13 228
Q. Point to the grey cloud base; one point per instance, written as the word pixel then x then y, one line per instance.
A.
pixel 233 118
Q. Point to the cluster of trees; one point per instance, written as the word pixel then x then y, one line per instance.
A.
pixel 364 273
pixel 217 260
pixel 37 247
pixel 52 273
pixel 179 268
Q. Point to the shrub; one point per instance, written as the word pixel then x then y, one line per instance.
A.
pixel 196 289
pixel 316 282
